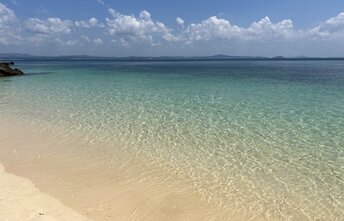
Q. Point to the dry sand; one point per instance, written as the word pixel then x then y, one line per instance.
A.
pixel 21 200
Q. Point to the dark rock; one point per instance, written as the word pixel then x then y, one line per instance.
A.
pixel 7 71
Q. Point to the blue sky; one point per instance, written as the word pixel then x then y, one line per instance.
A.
pixel 179 27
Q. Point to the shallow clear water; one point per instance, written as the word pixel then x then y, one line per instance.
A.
pixel 263 135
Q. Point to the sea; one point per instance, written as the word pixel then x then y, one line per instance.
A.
pixel 263 135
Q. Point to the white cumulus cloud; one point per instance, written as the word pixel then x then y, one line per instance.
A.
pixel 265 29
pixel 98 41
pixel 211 28
pixel 49 26
pixel 101 2
pixel 129 28
pixel 90 23
pixel 179 21
pixel 331 28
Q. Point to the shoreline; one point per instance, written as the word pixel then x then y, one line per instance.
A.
pixel 91 187
pixel 20 199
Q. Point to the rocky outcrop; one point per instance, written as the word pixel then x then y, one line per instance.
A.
pixel 7 71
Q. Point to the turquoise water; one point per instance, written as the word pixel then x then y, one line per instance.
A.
pixel 263 135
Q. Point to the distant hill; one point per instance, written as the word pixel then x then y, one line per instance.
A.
pixel 15 55
pixel 20 56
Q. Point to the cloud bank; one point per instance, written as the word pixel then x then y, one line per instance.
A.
pixel 8 26
pixel 128 33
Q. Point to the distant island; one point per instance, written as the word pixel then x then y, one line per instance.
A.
pixel 20 56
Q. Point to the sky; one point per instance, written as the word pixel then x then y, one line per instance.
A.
pixel 173 28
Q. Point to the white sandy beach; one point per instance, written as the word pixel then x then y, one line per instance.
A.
pixel 21 200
